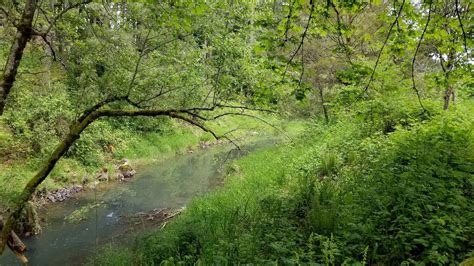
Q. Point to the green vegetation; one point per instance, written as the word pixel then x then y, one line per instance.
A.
pixel 338 196
pixel 377 96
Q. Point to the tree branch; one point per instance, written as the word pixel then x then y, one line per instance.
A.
pixel 303 36
pixel 288 21
pixel 340 37
pixel 15 244
pixel 383 46
pixel 414 57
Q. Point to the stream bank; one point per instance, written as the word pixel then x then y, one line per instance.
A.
pixel 168 184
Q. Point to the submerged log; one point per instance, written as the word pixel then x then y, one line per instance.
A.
pixel 15 244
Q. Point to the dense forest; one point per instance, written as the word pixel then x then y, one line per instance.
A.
pixel 369 107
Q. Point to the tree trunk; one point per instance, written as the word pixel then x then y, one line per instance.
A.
pixel 323 105
pixel 447 98
pixel 23 35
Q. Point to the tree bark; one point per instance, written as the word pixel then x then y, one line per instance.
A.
pixel 23 35
pixel 447 97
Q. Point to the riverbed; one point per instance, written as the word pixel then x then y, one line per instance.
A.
pixel 170 183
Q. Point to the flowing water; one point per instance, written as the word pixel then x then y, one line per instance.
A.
pixel 167 184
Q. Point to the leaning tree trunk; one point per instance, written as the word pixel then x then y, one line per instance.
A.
pixel 23 35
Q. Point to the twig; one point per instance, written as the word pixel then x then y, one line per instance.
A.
pixel 251 116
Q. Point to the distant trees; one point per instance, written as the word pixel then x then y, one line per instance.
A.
pixel 361 45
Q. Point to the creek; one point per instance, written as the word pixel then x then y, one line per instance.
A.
pixel 170 183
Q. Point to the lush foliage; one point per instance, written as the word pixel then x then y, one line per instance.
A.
pixel 383 175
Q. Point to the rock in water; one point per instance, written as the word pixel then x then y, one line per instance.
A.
pixel 125 170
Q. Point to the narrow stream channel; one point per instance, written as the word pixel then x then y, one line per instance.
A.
pixel 167 184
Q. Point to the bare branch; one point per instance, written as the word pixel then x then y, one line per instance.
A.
pixel 251 116
pixel 340 37
pixel 242 107
pixel 288 20
pixel 462 29
pixel 414 57
pixel 383 46
pixel 9 17
pixel 303 36
pixel 149 50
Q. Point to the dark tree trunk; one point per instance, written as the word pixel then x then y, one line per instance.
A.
pixel 323 105
pixel 23 35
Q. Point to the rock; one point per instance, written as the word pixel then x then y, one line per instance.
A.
pixel 85 180
pixel 125 170
pixel 125 167
pixel 128 174
pixel 103 177
pixel 63 193
pixel 119 176
pixel 76 189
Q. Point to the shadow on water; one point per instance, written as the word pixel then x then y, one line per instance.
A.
pixel 167 184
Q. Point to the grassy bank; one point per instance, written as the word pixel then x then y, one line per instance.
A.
pixel 338 195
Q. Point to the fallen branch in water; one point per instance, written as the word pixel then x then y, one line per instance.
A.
pixel 156 218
